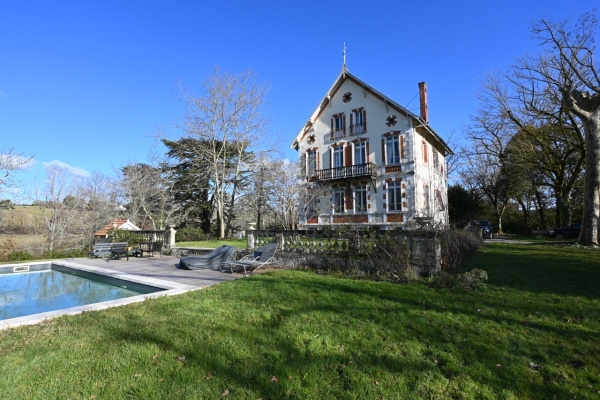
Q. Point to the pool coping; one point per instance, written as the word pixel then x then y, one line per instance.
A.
pixel 170 288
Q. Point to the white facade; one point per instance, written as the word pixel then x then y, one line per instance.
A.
pixel 368 161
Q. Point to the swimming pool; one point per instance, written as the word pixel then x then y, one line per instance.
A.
pixel 27 290
pixel 30 293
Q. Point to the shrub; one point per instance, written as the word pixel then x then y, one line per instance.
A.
pixel 63 253
pixel 19 255
pixel 190 234
pixel 456 245
pixel 22 255
pixel 444 280
pixel 123 235
pixel 475 279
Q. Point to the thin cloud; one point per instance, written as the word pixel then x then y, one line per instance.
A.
pixel 3 95
pixel 61 166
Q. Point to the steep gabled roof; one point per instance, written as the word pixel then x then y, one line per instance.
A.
pixel 333 90
pixel 120 223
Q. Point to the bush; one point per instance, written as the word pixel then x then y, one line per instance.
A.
pixel 62 253
pixel 22 255
pixel 444 280
pixel 19 255
pixel 123 235
pixel 456 245
pixel 475 279
pixel 190 234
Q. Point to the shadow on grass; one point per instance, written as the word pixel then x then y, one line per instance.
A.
pixel 336 337
pixel 541 268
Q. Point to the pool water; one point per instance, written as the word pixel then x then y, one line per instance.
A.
pixel 53 287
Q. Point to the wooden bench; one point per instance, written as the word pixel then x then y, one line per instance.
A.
pixel 110 249
pixel 119 249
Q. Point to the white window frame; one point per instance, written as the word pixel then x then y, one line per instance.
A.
pixel 360 153
pixel 392 144
pixel 360 199
pixel 338 123
pixel 394 196
pixel 339 201
pixel 359 126
pixel 338 157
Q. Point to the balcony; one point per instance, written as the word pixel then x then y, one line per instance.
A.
pixel 353 171
pixel 358 129
pixel 337 133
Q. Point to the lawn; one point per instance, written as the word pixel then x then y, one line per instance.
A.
pixel 532 335
pixel 213 244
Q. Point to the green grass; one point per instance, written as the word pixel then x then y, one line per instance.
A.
pixel 295 334
pixel 213 244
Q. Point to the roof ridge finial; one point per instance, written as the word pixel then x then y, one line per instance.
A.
pixel 344 69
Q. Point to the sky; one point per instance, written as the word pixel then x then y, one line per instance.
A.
pixel 86 86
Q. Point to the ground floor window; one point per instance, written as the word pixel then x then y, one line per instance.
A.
pixel 360 199
pixel 338 200
pixel 394 196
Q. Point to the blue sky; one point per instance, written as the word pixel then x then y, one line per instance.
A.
pixel 87 84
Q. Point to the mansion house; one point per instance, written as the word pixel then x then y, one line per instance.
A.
pixel 368 161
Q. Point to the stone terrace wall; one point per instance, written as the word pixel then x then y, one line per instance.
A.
pixel 299 246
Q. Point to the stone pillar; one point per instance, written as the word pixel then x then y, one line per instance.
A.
pixel 280 240
pixel 172 237
pixel 426 254
pixel 250 236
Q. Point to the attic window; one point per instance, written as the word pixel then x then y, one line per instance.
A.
pixel 391 120
pixel 310 139
pixel 347 97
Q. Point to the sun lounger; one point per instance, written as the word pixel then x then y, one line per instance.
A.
pixel 267 257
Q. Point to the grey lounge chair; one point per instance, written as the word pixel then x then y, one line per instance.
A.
pixel 267 257
pixel 212 260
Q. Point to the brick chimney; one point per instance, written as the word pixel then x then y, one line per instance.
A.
pixel 423 101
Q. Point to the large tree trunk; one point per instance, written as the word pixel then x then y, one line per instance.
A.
pixel 590 229
pixel 525 212
pixel 539 205
pixel 563 209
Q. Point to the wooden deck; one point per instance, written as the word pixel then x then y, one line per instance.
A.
pixel 165 268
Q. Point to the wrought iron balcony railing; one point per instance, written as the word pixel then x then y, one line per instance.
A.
pixel 338 133
pixel 358 129
pixel 351 171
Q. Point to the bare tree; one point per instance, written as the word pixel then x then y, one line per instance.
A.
pixel 148 192
pixel 284 191
pixel 11 162
pixel 59 203
pixel 568 67
pixel 482 162
pixel 228 118
pixel 99 206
